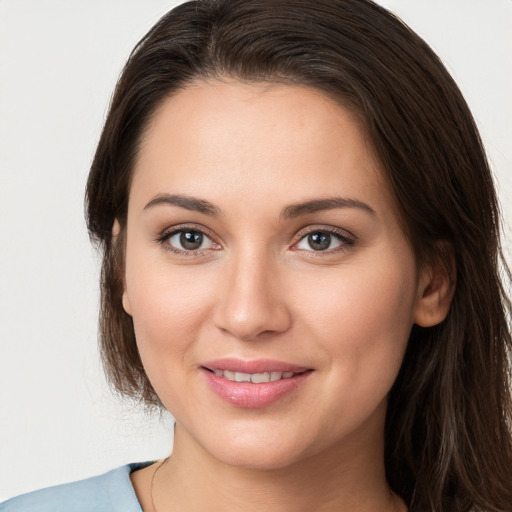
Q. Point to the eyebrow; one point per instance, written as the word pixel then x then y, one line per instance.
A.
pixel 289 212
pixel 186 202
pixel 318 205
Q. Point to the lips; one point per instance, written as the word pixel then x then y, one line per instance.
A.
pixel 256 366
pixel 255 378
pixel 253 384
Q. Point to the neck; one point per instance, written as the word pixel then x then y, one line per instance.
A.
pixel 342 478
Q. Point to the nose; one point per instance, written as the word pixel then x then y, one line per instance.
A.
pixel 251 302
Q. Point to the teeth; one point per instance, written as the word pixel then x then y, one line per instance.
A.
pixel 260 377
pixel 229 375
pixel 242 377
pixel 253 377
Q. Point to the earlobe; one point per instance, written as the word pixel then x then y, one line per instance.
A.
pixel 435 291
pixel 126 303
pixel 116 230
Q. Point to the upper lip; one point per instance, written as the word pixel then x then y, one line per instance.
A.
pixel 255 366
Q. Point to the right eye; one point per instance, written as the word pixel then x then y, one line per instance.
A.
pixel 188 240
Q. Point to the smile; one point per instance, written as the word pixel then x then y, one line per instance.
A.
pixel 253 384
pixel 256 378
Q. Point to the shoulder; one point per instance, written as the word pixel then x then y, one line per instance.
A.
pixel 110 492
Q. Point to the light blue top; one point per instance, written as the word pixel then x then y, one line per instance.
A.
pixel 111 492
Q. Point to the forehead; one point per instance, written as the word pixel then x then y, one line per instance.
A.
pixel 261 142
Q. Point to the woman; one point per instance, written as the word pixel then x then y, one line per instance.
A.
pixel 301 243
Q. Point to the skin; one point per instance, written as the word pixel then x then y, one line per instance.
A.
pixel 257 289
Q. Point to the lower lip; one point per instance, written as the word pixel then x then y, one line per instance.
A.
pixel 253 395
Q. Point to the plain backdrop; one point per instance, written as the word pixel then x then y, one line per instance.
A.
pixel 59 60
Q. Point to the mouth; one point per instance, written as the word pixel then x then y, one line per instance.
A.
pixel 253 384
pixel 255 378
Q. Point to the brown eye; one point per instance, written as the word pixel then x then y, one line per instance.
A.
pixel 319 241
pixel 324 240
pixel 189 240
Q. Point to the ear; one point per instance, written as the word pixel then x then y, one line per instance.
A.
pixel 116 230
pixel 436 288
pixel 126 303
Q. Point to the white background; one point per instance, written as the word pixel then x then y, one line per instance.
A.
pixel 59 60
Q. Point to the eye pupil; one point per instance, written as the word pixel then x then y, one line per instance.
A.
pixel 191 240
pixel 319 241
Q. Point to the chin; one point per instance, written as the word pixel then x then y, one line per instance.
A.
pixel 257 453
pixel 257 459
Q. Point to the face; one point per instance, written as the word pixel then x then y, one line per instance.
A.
pixel 271 288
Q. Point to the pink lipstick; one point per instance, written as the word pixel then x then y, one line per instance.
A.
pixel 253 384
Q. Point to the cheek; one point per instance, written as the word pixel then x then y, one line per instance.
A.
pixel 362 319
pixel 361 324
pixel 169 307
pixel 168 318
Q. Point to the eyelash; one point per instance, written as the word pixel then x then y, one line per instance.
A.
pixel 167 234
pixel 345 238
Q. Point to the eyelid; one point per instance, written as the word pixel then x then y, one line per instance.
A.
pixel 348 239
pixel 314 228
pixel 170 231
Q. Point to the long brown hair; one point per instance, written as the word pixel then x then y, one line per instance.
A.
pixel 448 439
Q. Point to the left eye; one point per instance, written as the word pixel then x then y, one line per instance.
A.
pixel 320 241
pixel 189 240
